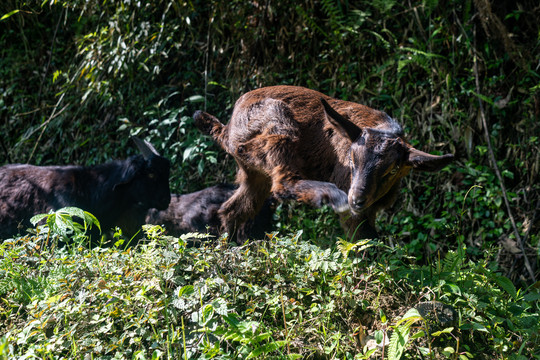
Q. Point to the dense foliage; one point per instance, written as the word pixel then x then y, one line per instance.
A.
pixel 282 297
pixel 78 77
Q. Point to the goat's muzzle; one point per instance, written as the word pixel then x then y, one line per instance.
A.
pixel 358 203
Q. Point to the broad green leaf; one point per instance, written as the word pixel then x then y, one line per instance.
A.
pixel 411 313
pixel 479 327
pixel 187 152
pixel 379 336
pixel 454 289
pixel 382 316
pixel 186 290
pixel 418 335
pixel 37 218
pixel 265 349
pixel 208 313
pixel 506 285
pixel 261 337
pixel 195 99
pixel 248 327
pixel 410 317
pixel 445 331
pixel 531 297
pixel 232 320
pixel 449 351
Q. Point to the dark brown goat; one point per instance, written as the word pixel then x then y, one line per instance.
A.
pixel 118 193
pixel 198 212
pixel 296 143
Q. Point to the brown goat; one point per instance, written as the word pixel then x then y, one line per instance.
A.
pixel 297 143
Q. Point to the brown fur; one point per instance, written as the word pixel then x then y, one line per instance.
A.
pixel 296 143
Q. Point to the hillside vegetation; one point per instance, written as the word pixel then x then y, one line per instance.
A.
pixel 78 78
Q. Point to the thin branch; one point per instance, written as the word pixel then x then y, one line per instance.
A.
pixel 526 237
pixel 206 61
pixel 40 91
pixel 46 123
pixel 494 161
pixel 285 322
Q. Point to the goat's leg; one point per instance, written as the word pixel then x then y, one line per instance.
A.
pixel 275 156
pixel 245 202
pixel 315 193
pixel 319 193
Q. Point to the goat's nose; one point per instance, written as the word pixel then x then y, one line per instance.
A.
pixel 358 202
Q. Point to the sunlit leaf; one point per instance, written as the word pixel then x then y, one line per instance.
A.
pixel 11 13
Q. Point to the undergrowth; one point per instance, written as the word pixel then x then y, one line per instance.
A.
pixel 279 297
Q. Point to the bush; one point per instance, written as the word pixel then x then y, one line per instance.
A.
pixel 282 297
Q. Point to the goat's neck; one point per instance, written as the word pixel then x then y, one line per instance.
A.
pixel 95 185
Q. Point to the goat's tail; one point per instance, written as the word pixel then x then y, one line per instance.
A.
pixel 209 125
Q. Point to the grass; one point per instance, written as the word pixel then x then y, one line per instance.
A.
pixel 282 297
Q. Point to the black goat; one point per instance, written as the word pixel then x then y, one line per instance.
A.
pixel 198 212
pixel 118 193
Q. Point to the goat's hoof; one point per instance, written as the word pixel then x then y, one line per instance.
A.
pixel 343 208
pixel 339 201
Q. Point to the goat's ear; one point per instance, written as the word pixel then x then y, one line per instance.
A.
pixel 422 161
pixel 147 150
pixel 342 124
pixel 129 171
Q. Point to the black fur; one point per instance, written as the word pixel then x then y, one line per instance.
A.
pixel 118 193
pixel 198 212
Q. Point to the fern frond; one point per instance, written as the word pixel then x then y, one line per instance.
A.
pixel 398 342
pixel 452 261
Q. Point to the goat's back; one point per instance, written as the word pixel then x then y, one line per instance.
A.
pixel 305 105
pixel 296 115
pixel 27 190
pixel 103 190
pixel 192 212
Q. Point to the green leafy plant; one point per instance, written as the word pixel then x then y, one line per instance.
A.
pixel 62 223
pixel 283 297
pixel 71 70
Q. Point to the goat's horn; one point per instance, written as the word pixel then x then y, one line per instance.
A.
pixel 145 148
